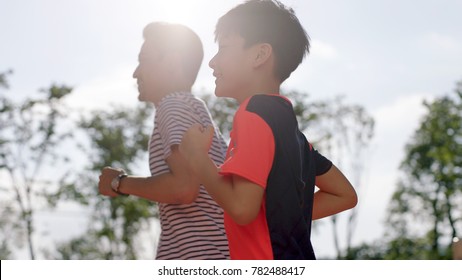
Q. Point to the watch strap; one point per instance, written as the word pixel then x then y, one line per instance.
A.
pixel 116 190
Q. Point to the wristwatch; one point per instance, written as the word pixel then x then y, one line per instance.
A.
pixel 115 184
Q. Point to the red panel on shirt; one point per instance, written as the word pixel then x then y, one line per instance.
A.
pixel 250 155
pixel 251 150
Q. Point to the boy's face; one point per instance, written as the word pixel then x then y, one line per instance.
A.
pixel 151 76
pixel 232 67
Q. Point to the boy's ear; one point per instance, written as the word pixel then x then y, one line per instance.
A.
pixel 263 53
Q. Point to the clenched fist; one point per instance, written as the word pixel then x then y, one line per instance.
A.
pixel 105 179
pixel 196 143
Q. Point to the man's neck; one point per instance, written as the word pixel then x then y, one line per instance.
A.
pixel 160 97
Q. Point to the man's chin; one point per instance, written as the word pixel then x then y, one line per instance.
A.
pixel 141 98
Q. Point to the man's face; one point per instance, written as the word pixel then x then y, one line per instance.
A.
pixel 149 73
pixel 232 66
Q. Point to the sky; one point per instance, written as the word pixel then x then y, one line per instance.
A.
pixel 387 56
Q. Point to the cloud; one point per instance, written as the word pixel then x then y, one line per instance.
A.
pixel 116 88
pixel 395 124
pixel 406 109
pixel 443 42
pixel 323 50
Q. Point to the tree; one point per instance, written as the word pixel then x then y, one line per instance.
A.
pixel 4 80
pixel 5 222
pixel 118 138
pixel 429 196
pixel 29 137
pixel 222 111
pixel 400 248
pixel 342 132
pixel 7 226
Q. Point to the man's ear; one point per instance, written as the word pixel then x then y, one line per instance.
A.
pixel 174 66
pixel 175 61
pixel 263 52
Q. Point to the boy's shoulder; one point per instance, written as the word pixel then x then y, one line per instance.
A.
pixel 268 103
pixel 274 110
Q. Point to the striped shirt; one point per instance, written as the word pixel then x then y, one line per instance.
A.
pixel 196 230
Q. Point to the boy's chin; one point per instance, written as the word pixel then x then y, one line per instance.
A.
pixel 222 93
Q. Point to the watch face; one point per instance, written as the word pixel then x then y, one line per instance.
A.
pixel 115 183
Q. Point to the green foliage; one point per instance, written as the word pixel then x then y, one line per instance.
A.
pixel 29 136
pixel 11 231
pixel 4 80
pixel 375 251
pixel 85 247
pixel 222 111
pixel 428 196
pixel 406 248
pixel 117 138
pixel 400 248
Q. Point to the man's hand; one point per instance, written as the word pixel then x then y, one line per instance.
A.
pixel 105 180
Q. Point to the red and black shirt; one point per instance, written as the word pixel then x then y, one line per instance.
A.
pixel 268 149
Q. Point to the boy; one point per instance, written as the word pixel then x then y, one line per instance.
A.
pixel 191 222
pixel 266 184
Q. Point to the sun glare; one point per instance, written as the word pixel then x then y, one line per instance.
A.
pixel 178 11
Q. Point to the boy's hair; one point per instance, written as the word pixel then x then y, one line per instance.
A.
pixel 176 37
pixel 268 21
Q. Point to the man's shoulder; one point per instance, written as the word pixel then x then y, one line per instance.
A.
pixel 174 102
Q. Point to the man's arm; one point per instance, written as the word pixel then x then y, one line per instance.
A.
pixel 335 194
pixel 239 198
pixel 175 187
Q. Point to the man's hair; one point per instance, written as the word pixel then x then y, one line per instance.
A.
pixel 179 38
pixel 268 21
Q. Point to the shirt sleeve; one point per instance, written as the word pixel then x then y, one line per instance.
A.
pixel 173 119
pixel 322 163
pixel 251 150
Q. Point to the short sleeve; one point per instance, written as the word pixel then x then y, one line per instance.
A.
pixel 251 150
pixel 173 119
pixel 322 163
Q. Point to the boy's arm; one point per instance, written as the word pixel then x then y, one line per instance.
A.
pixel 240 198
pixel 175 187
pixel 335 194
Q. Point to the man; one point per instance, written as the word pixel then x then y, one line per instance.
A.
pixel 191 222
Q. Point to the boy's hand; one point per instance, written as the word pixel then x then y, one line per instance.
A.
pixel 196 143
